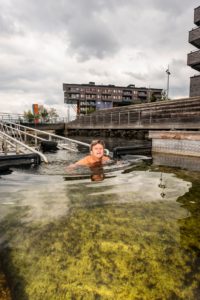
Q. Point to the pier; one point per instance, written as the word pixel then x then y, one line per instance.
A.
pixel 172 125
pixel 180 114
pixel 156 119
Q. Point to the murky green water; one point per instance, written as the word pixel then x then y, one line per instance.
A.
pixel 135 235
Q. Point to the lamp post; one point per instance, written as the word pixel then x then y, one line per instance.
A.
pixel 168 73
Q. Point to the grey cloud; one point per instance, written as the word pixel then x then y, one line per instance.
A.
pixel 81 22
pixel 7 25
pixel 51 15
pixel 97 33
pixel 100 28
pixel 173 7
pixel 179 65
pixel 53 99
pixel 98 73
pixel 36 16
pixel 21 76
pixel 92 39
pixel 137 76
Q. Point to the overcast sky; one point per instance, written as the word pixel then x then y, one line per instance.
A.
pixel 44 44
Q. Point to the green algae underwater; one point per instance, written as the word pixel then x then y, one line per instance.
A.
pixel 134 236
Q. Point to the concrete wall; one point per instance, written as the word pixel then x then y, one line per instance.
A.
pixel 191 163
pixel 176 142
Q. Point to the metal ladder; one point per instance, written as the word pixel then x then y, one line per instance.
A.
pixel 12 145
pixel 19 138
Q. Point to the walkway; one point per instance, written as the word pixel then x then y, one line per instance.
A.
pixel 172 114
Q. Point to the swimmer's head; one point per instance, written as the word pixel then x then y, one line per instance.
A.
pixel 96 142
pixel 97 148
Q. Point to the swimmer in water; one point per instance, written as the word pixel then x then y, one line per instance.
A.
pixel 96 158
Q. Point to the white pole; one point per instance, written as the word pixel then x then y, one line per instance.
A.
pixel 168 73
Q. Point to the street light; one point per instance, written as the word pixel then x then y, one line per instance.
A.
pixel 168 73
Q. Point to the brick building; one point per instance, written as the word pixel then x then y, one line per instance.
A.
pixel 91 97
pixel 193 59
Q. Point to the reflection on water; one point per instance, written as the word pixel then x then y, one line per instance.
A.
pixel 134 235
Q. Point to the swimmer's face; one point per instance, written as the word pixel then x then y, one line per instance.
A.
pixel 97 151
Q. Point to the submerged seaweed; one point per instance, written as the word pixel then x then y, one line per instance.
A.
pixel 103 247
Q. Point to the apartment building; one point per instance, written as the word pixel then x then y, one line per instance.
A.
pixel 91 97
pixel 193 59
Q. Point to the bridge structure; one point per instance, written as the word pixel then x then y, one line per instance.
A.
pixel 179 114
pixel 173 125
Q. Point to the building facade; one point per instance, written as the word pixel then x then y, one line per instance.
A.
pixel 193 59
pixel 91 97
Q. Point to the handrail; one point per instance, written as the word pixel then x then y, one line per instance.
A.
pixel 11 144
pixel 45 133
pixel 18 118
pixel 25 146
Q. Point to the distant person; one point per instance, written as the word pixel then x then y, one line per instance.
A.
pixel 95 159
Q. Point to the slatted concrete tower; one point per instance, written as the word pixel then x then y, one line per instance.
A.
pixel 193 59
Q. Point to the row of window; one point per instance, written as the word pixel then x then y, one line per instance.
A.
pixel 94 90
pixel 82 96
pixel 75 95
pixel 98 90
pixel 87 103
pixel 104 97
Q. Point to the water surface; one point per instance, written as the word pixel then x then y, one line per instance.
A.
pixel 134 235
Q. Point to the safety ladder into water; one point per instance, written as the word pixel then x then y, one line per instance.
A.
pixel 18 138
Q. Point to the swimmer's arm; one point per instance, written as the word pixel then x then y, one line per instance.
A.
pixel 71 167
pixel 106 160
pixel 80 163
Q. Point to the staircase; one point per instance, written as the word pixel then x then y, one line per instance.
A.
pixel 16 139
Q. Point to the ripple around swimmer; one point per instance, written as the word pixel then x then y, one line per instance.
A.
pixel 58 166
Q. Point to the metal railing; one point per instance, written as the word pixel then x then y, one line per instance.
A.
pixel 19 118
pixel 137 120
pixel 19 137
pixel 10 144
pixel 11 117
pixel 178 114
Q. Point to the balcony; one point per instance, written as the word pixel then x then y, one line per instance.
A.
pixel 193 60
pixel 142 94
pixel 194 37
pixel 195 86
pixel 90 91
pixel 107 98
pixel 127 92
pixel 197 16
pixel 87 104
pixel 70 101
pixel 73 96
